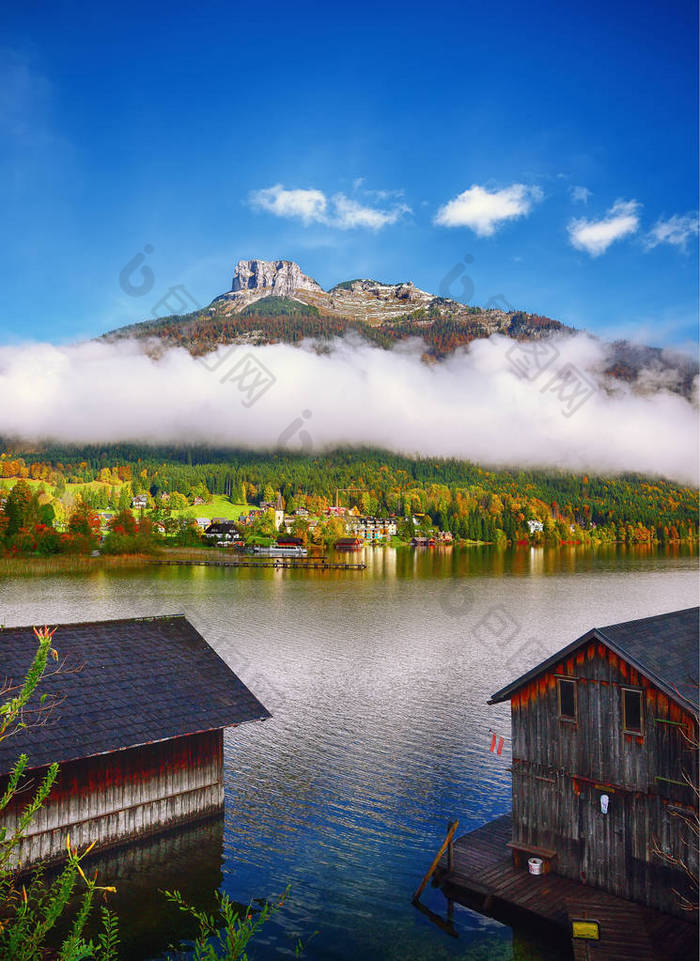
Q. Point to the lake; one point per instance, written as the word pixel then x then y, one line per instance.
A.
pixel 378 683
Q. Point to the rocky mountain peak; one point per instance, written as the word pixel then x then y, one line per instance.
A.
pixel 443 323
pixel 278 278
pixel 369 301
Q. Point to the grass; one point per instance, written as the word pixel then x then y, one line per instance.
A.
pixel 192 553
pixel 218 506
pixel 69 564
pixel 6 483
pixel 72 489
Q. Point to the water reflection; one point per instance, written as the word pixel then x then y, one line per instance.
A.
pixel 378 683
pixel 188 859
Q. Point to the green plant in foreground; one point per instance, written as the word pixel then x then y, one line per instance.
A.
pixel 226 937
pixel 30 914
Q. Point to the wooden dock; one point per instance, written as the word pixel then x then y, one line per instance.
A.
pixel 277 563
pixel 479 872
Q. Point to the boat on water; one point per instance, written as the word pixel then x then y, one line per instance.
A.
pixel 281 550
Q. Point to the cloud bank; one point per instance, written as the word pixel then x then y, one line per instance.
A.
pixel 313 206
pixel 483 210
pixel 477 404
pixel 595 236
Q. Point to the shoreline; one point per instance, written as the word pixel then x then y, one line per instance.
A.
pixel 86 564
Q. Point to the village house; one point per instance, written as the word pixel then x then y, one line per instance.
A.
pixel 222 531
pixel 140 706
pixel 105 518
pixel 605 760
pixel 251 516
pixel 140 502
pixel 348 544
pixel 419 541
pixel 373 528
pixel 286 540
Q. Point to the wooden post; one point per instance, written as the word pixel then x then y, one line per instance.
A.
pixel 436 860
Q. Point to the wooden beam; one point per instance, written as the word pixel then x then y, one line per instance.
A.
pixel 436 860
pixel 446 925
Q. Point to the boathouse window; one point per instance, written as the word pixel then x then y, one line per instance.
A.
pixel 567 699
pixel 632 711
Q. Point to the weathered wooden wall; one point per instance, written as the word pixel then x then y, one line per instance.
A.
pixel 128 794
pixel 561 769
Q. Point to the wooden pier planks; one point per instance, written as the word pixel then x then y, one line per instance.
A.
pixel 301 564
pixel 482 865
pixel 623 931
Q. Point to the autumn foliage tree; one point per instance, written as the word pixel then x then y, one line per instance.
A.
pixel 127 535
pixel 83 529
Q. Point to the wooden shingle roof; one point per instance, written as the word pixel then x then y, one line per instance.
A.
pixel 664 648
pixel 141 680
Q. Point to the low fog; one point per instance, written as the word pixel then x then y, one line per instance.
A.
pixel 494 403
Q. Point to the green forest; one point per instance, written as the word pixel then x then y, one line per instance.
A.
pixel 470 501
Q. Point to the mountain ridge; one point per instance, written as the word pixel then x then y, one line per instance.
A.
pixel 362 299
pixel 275 301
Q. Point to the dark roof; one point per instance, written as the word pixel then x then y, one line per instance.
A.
pixel 664 648
pixel 142 680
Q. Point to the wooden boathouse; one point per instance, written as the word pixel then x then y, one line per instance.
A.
pixel 137 728
pixel 605 759
pixel 605 796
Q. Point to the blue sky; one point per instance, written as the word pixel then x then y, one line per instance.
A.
pixel 557 147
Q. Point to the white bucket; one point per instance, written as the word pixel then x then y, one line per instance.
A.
pixel 535 865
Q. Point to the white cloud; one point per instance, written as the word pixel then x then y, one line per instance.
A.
pixel 484 210
pixel 595 236
pixel 580 195
pixel 312 206
pixel 349 213
pixel 473 405
pixel 306 205
pixel 676 230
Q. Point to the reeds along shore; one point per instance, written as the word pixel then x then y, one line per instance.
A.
pixel 69 564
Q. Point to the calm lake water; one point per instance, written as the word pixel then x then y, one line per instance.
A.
pixel 378 683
